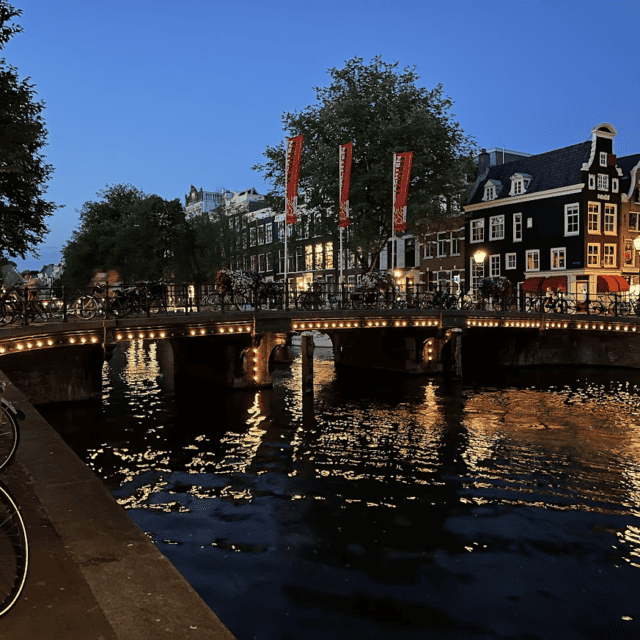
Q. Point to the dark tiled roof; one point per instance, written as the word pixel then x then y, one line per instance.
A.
pixel 626 163
pixel 550 170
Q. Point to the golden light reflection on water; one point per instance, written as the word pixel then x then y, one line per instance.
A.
pixel 569 448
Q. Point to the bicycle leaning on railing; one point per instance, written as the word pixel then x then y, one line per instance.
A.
pixel 14 547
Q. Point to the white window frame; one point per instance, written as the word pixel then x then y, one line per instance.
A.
pixel 477 225
pixel 571 219
pixel 610 213
pixel 603 158
pixel 615 185
pixel 593 257
pixel 441 244
pixel 454 245
pixel 517 227
pixel 509 261
pixel 496 226
pixel 593 229
pixel 534 255
pixel 603 182
pixel 494 265
pixel 489 192
pixel 559 255
pixel 609 255
pixel 269 233
pixel 592 181
pixel 636 219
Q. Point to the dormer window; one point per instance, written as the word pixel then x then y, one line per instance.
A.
pixel 491 190
pixel 519 183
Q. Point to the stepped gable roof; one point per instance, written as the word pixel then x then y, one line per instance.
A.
pixel 550 170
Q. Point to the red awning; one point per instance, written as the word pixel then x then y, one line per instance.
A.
pixel 612 284
pixel 623 283
pixel 555 283
pixel 532 285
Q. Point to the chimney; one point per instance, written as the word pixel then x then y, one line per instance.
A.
pixel 484 160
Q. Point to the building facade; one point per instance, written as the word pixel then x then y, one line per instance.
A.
pixel 557 216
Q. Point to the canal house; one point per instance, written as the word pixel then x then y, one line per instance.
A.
pixel 555 220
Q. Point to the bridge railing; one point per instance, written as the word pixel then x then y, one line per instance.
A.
pixel 24 305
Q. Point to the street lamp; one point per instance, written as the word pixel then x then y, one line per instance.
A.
pixel 479 257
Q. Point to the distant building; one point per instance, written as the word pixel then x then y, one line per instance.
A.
pixel 200 202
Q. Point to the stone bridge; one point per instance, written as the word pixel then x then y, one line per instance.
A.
pixel 63 361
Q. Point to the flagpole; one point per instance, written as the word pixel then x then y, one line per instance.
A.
pixel 393 202
pixel 286 174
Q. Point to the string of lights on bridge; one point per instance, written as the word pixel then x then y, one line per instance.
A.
pixel 12 344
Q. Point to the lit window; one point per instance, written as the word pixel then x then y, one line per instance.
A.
pixel 558 258
pixel 533 260
pixel 610 219
pixel 593 222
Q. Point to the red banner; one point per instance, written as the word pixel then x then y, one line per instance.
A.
pixel 294 152
pixel 346 151
pixel 401 175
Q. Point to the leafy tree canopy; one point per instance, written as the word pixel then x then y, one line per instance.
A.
pixel 129 231
pixel 23 172
pixel 382 111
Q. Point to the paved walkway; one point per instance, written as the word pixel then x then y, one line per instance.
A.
pixel 93 573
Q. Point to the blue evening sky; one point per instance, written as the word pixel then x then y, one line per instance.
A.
pixel 163 94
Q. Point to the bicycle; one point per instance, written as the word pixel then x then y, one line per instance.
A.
pixel 99 300
pixel 14 547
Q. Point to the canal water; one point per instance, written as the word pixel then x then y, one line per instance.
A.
pixel 382 507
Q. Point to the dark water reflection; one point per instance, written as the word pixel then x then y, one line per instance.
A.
pixel 384 508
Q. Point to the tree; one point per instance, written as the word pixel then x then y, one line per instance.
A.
pixel 382 112
pixel 137 234
pixel 23 172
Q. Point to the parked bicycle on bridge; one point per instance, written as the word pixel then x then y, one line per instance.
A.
pixel 14 546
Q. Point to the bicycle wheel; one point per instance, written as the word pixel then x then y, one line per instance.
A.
pixel 9 437
pixel 156 306
pixel 118 307
pixel 596 307
pixel 14 551
pixel 85 307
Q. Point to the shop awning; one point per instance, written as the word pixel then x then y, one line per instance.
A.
pixel 555 283
pixel 612 284
pixel 532 285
